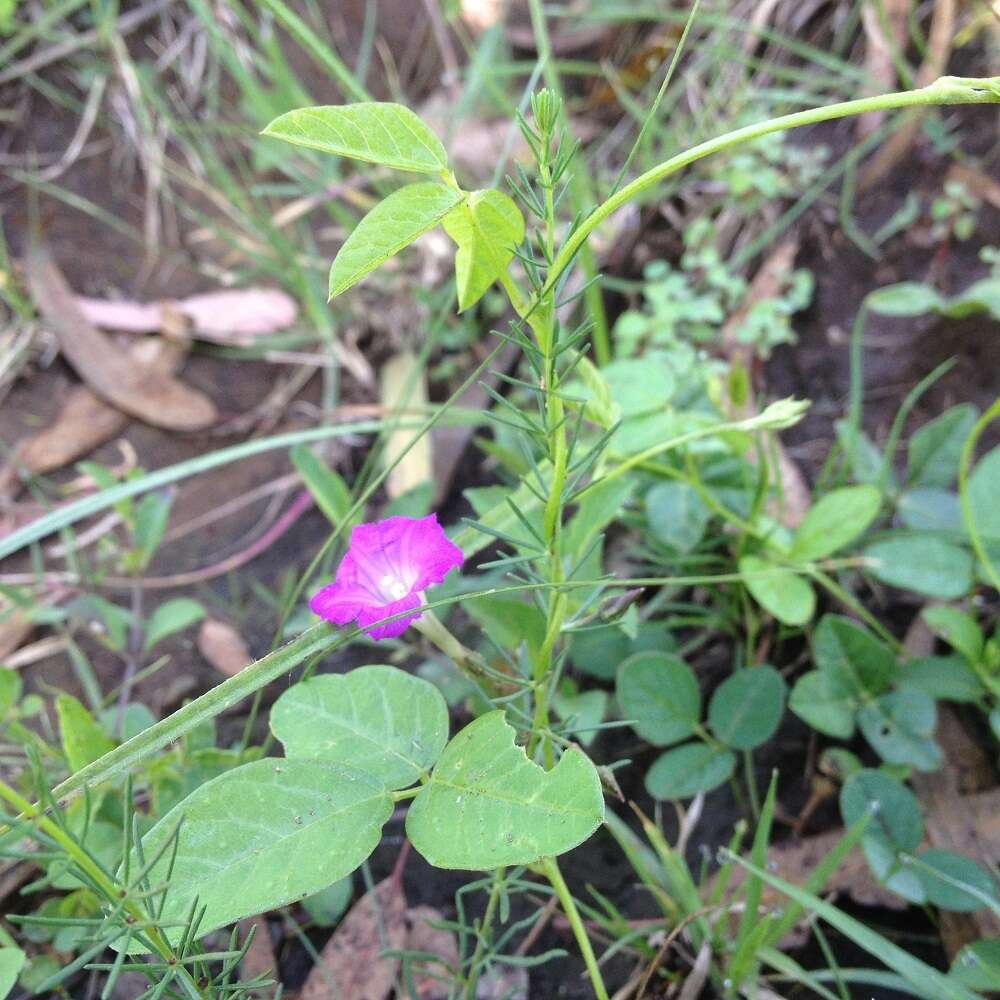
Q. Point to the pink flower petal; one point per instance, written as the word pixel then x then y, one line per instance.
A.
pixel 391 629
pixel 387 567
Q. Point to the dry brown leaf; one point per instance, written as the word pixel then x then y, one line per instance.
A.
pixel 223 647
pixel 232 316
pixel 431 978
pixel 153 396
pixel 350 965
pixel 404 387
pixel 85 421
pixel 15 630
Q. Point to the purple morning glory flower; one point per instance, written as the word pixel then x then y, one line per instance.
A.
pixel 387 567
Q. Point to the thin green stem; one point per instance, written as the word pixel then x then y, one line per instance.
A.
pixel 111 890
pixel 496 891
pixel 946 90
pixel 551 871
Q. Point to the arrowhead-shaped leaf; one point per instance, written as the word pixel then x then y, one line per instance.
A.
pixel 389 134
pixel 487 227
pixel 487 805
pixel 262 835
pixel 379 719
pixel 394 223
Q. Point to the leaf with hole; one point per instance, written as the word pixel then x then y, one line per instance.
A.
pixel 264 835
pixel 900 727
pixel 487 805
pixel 486 227
pixel 780 591
pixel 378 719
pixel 746 708
pixel 375 132
pixel 394 223
pixel 659 693
pixel 685 771
pixel 834 521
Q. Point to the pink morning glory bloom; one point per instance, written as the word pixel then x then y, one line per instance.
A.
pixel 387 567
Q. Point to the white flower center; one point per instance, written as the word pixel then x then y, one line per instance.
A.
pixel 391 586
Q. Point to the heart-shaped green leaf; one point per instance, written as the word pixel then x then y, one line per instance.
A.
pixel 263 835
pixel 900 726
pixel 487 805
pixel 487 227
pixel 394 223
pixel 375 132
pixel 386 722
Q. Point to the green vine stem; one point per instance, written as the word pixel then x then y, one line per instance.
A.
pixel 550 869
pixel 946 90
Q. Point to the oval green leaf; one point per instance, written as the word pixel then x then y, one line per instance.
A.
pixel 923 563
pixel 746 708
pixel 955 882
pixel 487 227
pixel 376 132
pixel 659 693
pixel 487 805
pixel 835 521
pixel 685 771
pixel 263 835
pixel 394 223
pixel 825 703
pixel 782 592
pixel 386 722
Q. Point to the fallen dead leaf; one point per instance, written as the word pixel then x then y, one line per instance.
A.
pixel 223 647
pixel 232 316
pixel 431 979
pixel 85 421
pixel 15 630
pixel 404 387
pixel 351 964
pixel 152 396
